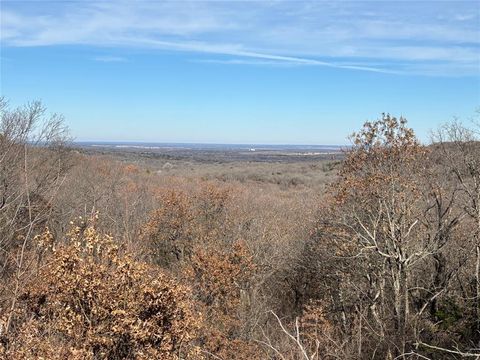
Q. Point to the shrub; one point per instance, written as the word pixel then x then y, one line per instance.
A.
pixel 91 301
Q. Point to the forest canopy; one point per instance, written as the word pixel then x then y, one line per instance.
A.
pixel 373 256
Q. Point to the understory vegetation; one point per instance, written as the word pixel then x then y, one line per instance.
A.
pixel 108 259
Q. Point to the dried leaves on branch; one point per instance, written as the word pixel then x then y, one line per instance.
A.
pixel 93 301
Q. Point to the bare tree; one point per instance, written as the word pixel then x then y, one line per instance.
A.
pixel 460 154
pixel 388 218
pixel 33 163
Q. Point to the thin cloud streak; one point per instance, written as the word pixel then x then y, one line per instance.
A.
pixel 110 59
pixel 237 51
pixel 442 38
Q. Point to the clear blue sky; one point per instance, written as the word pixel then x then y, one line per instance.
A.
pixel 294 72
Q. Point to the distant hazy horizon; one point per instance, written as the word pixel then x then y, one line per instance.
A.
pixel 208 145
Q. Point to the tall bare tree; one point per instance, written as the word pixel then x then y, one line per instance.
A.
pixel 388 218
pixel 460 153
pixel 33 162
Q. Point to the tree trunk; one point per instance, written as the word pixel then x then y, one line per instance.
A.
pixel 401 307
pixel 438 282
pixel 477 275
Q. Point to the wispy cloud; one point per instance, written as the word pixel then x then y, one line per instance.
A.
pixel 109 59
pixel 379 68
pixel 432 37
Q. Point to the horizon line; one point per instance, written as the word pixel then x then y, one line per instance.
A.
pixel 200 143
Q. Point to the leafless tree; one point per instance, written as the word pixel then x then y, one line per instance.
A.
pixel 33 162
pixel 459 147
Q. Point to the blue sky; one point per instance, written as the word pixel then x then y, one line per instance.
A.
pixel 294 72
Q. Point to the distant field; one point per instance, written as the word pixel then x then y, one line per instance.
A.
pixel 284 165
pixel 217 152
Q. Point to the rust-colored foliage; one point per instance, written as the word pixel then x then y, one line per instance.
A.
pixel 168 232
pixel 93 302
pixel 184 220
pixel 384 159
pixel 221 280
pixel 192 234
pixel 316 328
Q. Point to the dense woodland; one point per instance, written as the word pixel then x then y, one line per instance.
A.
pixel 105 259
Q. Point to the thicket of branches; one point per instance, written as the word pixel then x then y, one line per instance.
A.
pixel 100 259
